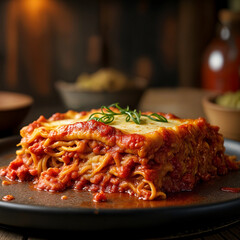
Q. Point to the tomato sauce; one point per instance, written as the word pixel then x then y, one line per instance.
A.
pixel 8 198
pixel 99 197
pixel 231 189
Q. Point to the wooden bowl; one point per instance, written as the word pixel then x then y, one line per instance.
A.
pixel 228 119
pixel 13 109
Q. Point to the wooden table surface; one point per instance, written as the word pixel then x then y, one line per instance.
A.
pixel 184 102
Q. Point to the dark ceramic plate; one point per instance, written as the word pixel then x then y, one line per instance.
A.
pixel 43 210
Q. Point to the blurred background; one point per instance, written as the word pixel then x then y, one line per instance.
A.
pixel 44 41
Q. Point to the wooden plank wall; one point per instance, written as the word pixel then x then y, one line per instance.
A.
pixel 43 41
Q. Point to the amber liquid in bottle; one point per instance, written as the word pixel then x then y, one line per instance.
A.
pixel 221 62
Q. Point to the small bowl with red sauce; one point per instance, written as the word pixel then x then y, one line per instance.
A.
pixel 224 116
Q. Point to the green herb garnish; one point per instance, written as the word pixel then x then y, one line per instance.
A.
pixel 107 115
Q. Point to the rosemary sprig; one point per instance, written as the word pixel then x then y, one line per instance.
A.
pixel 107 115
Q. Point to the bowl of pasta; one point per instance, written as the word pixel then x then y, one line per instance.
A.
pixel 223 110
pixel 103 87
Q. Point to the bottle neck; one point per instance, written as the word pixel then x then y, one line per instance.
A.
pixel 229 30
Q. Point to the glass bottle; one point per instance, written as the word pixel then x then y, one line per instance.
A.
pixel 221 61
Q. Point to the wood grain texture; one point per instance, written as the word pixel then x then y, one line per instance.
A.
pixel 7 235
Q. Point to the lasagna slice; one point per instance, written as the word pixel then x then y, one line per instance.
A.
pixel 147 160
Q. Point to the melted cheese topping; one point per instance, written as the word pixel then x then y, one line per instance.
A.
pixel 147 125
pixel 120 123
pixel 60 123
